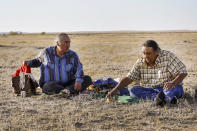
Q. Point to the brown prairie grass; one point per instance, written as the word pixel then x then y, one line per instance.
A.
pixel 102 55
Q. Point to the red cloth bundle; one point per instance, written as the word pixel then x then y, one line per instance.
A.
pixel 23 68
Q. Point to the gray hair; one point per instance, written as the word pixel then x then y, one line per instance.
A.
pixel 60 35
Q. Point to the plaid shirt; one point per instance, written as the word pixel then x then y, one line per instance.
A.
pixel 167 67
pixel 55 68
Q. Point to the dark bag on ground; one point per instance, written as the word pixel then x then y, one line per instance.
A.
pixel 24 83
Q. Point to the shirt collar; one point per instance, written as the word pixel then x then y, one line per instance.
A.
pixel 65 54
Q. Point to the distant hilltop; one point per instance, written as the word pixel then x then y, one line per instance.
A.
pixel 13 32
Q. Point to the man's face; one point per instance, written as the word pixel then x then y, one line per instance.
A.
pixel 63 43
pixel 149 54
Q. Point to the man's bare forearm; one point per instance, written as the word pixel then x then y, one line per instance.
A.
pixel 179 79
pixel 123 83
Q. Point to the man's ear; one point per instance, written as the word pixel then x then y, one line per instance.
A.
pixel 157 52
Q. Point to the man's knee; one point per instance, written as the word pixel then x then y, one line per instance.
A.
pixel 87 80
pixel 177 91
pixel 51 87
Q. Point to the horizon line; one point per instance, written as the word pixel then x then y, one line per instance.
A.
pixel 110 31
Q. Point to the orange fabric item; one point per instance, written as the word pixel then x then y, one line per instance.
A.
pixel 23 68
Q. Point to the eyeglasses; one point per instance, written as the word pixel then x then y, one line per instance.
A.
pixel 65 41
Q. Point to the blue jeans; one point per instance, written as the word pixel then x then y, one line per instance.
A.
pixel 151 93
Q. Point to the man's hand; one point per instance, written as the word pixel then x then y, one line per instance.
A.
pixel 169 85
pixel 109 94
pixel 78 86
pixel 179 78
pixel 26 63
pixel 123 83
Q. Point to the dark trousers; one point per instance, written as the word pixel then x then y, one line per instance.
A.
pixel 53 87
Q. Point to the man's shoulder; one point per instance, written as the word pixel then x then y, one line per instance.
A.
pixel 166 53
pixel 139 62
pixel 72 53
pixel 49 49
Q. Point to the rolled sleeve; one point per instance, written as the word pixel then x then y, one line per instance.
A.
pixel 79 80
pixel 36 62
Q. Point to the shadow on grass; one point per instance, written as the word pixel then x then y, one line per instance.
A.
pixel 39 47
pixel 189 98
pixel 7 46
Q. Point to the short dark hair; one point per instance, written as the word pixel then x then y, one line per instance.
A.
pixel 151 43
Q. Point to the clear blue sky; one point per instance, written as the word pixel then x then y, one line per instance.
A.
pixel 97 15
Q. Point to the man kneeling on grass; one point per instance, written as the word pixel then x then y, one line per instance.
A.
pixel 60 68
pixel 160 74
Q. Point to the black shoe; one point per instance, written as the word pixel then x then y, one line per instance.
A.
pixel 160 99
pixel 174 100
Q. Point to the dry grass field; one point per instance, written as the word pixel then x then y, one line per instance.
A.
pixel 102 55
